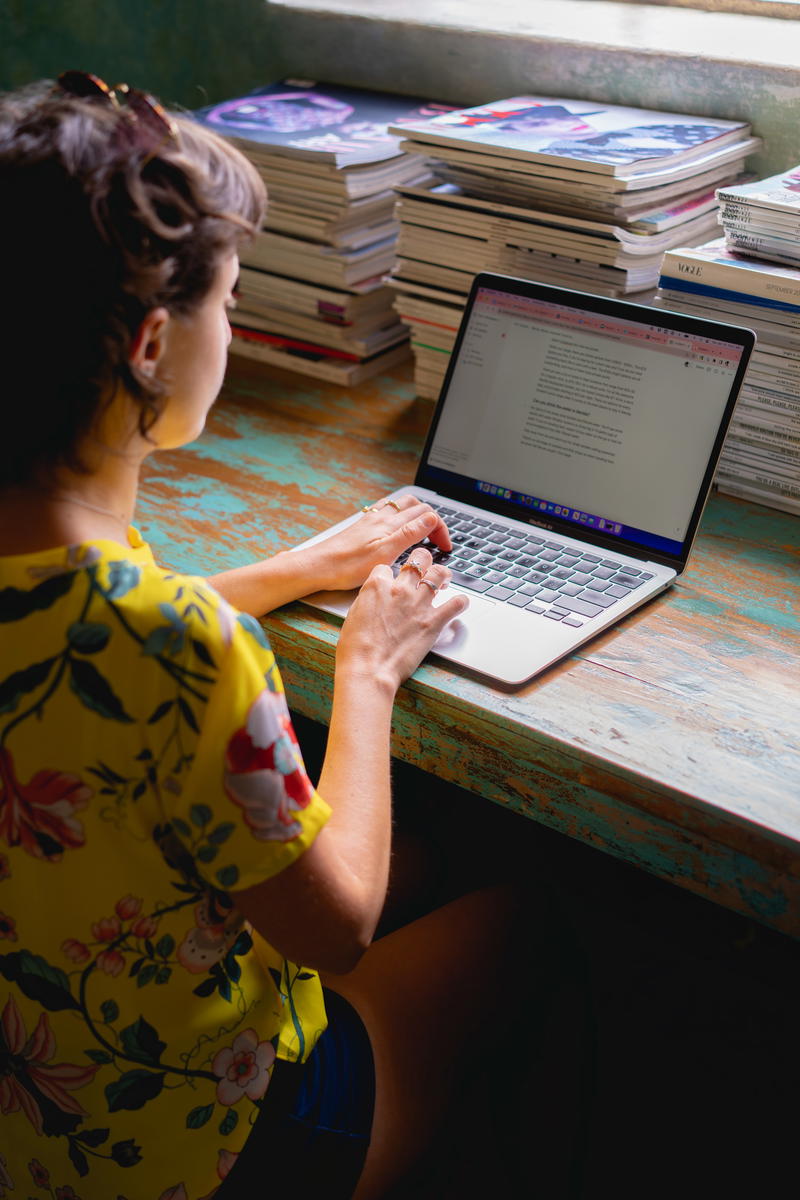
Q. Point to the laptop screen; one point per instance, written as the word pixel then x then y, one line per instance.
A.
pixel 566 408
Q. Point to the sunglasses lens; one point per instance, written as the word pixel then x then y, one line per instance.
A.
pixel 80 83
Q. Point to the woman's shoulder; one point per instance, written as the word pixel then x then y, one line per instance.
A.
pixel 122 585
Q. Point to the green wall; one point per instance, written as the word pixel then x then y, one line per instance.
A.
pixel 188 52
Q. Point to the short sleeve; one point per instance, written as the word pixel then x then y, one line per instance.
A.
pixel 247 802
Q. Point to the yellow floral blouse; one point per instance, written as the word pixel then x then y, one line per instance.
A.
pixel 148 768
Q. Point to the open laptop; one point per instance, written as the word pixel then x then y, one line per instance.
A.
pixel 570 453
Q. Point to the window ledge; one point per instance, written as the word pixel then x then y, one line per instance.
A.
pixel 649 29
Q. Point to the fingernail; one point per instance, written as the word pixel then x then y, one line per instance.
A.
pixel 428 518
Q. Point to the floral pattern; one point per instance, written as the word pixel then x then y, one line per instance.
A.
pixel 147 766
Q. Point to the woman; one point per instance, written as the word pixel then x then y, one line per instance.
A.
pixel 155 813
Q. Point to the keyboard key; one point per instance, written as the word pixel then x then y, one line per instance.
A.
pixel 562 612
pixel 573 621
pixel 569 589
pixel 483 523
pixel 499 593
pixel 547 596
pixel 631 570
pixel 509 555
pixel 548 555
pixel 518 572
pixel 645 575
pixel 602 572
pixel 567 560
pixel 581 578
pixel 534 608
pixel 597 585
pixel 555 546
pixel 526 561
pixel 553 615
pixel 529 589
pixel 478 572
pixel 537 577
pixel 592 558
pixel 596 598
pixel 534 541
pixel 618 592
pixel 500 528
pixel 483 560
pixel 627 581
pixel 518 600
pixel 469 581
pixel 495 576
pixel 609 562
pixel 515 543
pixel 497 537
pixel 574 604
pixel 561 573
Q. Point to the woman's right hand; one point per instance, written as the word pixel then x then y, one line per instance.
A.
pixel 393 623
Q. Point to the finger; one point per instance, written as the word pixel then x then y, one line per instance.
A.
pixel 398 503
pixel 448 610
pixel 435 578
pixel 436 530
pixel 417 525
pixel 416 566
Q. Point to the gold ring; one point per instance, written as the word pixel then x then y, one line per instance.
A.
pixel 392 504
pixel 428 583
pixel 368 508
pixel 413 566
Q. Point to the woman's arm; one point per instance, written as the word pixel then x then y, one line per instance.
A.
pixel 342 561
pixel 323 910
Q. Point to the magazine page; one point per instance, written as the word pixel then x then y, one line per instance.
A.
pixel 302 118
pixel 781 192
pixel 600 138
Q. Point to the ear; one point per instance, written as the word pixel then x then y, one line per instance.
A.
pixel 150 341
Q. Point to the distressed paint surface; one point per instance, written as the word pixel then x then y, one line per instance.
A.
pixel 671 741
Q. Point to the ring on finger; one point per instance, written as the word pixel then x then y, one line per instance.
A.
pixel 368 508
pixel 428 583
pixel 391 504
pixel 413 566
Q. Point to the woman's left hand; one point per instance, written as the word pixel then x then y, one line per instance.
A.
pixel 344 560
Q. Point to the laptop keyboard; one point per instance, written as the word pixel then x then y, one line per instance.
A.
pixel 541 575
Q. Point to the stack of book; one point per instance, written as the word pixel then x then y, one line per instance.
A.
pixel 312 292
pixel 761 458
pixel 762 218
pixel 581 195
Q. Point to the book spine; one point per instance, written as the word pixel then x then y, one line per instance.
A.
pixel 760 219
pixel 684 267
pixel 730 199
pixel 726 287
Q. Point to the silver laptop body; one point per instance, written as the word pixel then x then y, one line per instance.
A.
pixel 570 453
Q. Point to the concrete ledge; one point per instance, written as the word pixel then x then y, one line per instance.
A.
pixel 465 51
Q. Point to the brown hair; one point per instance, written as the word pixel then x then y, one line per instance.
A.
pixel 93 235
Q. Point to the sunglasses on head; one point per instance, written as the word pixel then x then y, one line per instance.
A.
pixel 148 126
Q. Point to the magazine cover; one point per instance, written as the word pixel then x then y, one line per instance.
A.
pixel 781 192
pixel 302 119
pixel 596 137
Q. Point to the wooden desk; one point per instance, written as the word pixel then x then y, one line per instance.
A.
pixel 672 742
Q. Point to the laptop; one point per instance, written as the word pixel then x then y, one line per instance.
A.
pixel 570 453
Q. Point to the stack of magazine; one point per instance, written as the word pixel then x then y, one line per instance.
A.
pixel 579 194
pixel 312 292
pixel 761 458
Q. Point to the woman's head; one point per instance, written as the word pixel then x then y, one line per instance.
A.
pixel 98 229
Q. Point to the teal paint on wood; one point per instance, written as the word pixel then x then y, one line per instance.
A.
pixel 188 52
